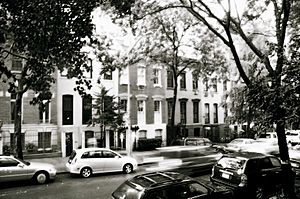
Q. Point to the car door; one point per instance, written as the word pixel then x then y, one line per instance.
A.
pixel 270 171
pixel 112 161
pixel 11 170
pixel 93 159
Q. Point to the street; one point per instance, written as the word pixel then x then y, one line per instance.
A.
pixel 65 186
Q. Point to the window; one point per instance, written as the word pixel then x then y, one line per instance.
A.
pixel 157 77
pixel 157 112
pixel 86 109
pixel 140 105
pixel 195 82
pixel 182 81
pixel 141 76
pixel 215 113
pixel 158 133
pixel 108 154
pixel 225 85
pixel 107 75
pixel 183 112
pixel 17 64
pixel 13 97
pixel 206 105
pixel 123 104
pixel 170 83
pixel 88 135
pixel 170 104
pixel 8 162
pixel 205 82
pixel 67 110
pixel 44 140
pixel 157 106
pixel 214 84
pixel 44 113
pixel 196 111
pixel 143 134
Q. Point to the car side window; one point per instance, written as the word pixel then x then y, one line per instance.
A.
pixel 265 163
pixel 189 190
pixel 8 162
pixel 275 162
pixel 91 154
pixel 108 154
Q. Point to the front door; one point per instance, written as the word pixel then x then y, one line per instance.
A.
pixel 69 143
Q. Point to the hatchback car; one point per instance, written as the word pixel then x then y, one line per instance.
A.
pixel 14 169
pixel 90 161
pixel 249 174
pixel 173 185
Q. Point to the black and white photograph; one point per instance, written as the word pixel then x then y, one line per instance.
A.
pixel 149 99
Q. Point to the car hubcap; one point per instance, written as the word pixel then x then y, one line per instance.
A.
pixel 41 178
pixel 128 169
pixel 86 173
pixel 259 192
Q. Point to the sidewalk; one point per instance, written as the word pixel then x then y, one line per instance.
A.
pixel 60 162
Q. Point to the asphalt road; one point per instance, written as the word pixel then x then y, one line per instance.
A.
pixel 66 186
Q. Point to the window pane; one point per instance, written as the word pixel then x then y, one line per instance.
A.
pixel 86 109
pixel 67 109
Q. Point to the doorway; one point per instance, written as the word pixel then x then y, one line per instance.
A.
pixel 69 144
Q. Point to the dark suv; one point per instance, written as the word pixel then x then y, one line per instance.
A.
pixel 164 185
pixel 249 174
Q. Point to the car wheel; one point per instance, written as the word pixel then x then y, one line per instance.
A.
pixel 259 192
pixel 86 172
pixel 41 177
pixel 128 168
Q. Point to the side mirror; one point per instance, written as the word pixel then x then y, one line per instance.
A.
pixel 21 165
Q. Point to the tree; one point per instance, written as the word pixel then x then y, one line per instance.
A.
pixel 228 21
pixel 107 111
pixel 46 36
pixel 166 40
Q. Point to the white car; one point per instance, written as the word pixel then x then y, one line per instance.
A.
pixel 90 161
pixel 14 169
pixel 292 137
pixel 239 144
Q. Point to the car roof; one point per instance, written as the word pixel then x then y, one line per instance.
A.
pixel 247 155
pixel 155 179
pixel 82 150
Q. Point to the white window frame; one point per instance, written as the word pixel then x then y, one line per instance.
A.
pixel 141 76
pixel 157 77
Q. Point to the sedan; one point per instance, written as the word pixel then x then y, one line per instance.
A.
pixel 14 169
pixel 89 161
pixel 239 144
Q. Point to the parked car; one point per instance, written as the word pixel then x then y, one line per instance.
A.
pixel 90 161
pixel 169 185
pixel 249 174
pixel 292 137
pixel 14 169
pixel 294 153
pixel 238 144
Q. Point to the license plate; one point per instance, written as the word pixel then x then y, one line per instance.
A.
pixel 225 175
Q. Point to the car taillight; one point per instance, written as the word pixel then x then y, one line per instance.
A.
pixel 212 171
pixel 74 160
pixel 244 180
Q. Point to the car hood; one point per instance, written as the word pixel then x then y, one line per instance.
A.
pixel 216 188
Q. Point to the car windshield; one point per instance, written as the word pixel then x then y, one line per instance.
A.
pixel 125 191
pixel 23 161
pixel 231 163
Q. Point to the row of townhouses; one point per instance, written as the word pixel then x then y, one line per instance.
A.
pixel 63 126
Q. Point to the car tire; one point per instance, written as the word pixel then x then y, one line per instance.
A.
pixel 41 177
pixel 258 192
pixel 127 168
pixel 86 172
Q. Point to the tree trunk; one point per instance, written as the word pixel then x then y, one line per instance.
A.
pixel 17 138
